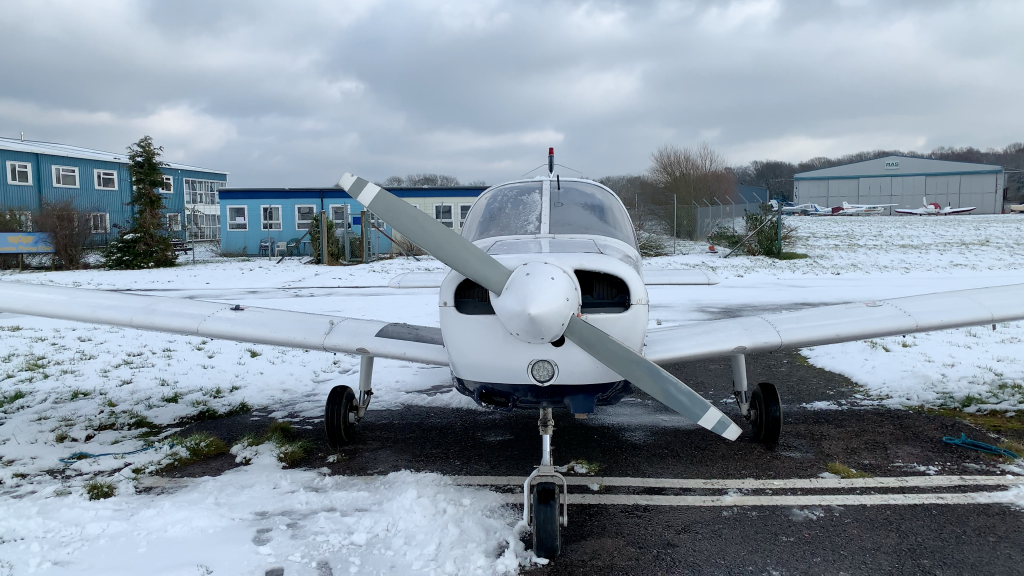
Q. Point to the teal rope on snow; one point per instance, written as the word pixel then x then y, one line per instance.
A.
pixel 964 442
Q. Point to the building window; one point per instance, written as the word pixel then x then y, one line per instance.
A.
pixel 173 221
pixel 26 220
pixel 105 179
pixel 238 218
pixel 463 212
pixel 270 217
pixel 168 186
pixel 99 223
pixel 19 173
pixel 65 177
pixel 304 215
pixel 339 215
pixel 443 214
pixel 201 191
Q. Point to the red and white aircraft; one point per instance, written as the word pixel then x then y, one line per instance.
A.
pixel 933 209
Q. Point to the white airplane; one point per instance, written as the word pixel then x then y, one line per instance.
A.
pixel 546 307
pixel 933 209
pixel 860 209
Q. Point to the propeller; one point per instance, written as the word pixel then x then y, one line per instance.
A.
pixel 469 260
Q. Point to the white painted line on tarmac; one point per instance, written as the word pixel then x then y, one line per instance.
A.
pixel 752 484
pixel 816 500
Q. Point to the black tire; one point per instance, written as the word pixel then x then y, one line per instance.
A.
pixel 339 416
pixel 766 414
pixel 547 529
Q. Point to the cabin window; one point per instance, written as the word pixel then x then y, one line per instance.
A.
pixel 19 173
pixel 105 179
pixel 238 218
pixel 270 217
pixel 443 214
pixel 99 223
pixel 65 177
pixel 304 215
pixel 509 210
pixel 168 185
pixel 582 208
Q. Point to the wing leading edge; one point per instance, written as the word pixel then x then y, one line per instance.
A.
pixel 226 322
pixel 833 324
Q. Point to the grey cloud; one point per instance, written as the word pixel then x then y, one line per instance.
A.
pixel 294 94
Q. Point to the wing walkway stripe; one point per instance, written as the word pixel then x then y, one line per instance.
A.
pixel 749 483
pixel 817 500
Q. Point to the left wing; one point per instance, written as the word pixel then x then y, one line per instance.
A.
pixel 226 322
pixel 833 324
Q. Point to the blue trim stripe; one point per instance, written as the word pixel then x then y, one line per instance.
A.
pixel 335 193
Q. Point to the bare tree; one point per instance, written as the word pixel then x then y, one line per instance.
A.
pixel 68 228
pixel 692 174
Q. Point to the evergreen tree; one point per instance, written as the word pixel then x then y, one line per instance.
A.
pixel 145 244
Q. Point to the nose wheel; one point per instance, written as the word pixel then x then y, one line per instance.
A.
pixel 545 493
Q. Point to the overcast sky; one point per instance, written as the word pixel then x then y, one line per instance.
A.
pixel 297 93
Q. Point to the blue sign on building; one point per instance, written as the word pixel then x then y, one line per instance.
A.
pixel 25 243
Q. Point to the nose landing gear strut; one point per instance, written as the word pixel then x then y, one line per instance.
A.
pixel 545 495
pixel 762 407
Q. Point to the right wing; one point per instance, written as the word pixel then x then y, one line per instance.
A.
pixel 223 321
pixel 833 324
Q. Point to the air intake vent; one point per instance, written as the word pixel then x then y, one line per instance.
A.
pixel 602 293
pixel 472 299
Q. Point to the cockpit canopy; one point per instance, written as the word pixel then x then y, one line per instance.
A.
pixel 517 209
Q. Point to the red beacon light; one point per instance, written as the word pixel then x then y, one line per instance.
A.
pixel 551 161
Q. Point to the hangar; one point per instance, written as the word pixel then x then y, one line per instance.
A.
pixel 904 181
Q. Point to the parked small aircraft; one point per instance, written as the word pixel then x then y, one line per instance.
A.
pixel 545 307
pixel 933 209
pixel 861 209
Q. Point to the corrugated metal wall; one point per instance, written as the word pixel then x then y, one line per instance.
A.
pixel 983 191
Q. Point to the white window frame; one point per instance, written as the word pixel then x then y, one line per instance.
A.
pixel 96 178
pixel 462 219
pixel 17 163
pixel 106 223
pixel 232 224
pixel 309 222
pixel 450 222
pixel 348 212
pixel 26 220
pixel 168 186
pixel 173 221
pixel 268 225
pixel 57 170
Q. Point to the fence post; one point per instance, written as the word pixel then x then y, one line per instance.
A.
pixel 675 222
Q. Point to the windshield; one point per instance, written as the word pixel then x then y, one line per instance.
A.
pixel 511 210
pixel 581 208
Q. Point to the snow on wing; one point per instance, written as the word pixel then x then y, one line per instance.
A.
pixel 833 324
pixel 224 321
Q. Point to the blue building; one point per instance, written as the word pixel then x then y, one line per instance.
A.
pixel 251 216
pixel 98 183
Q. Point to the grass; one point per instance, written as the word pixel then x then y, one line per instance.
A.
pixel 207 412
pixel 791 256
pixel 996 422
pixel 172 398
pixel 12 328
pixel 196 447
pixel 78 393
pixel 253 353
pixel 100 489
pixel 12 397
pixel 844 471
pixel 289 450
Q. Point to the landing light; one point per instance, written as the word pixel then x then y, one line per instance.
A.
pixel 543 371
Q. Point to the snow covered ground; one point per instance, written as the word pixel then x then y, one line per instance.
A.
pixel 66 387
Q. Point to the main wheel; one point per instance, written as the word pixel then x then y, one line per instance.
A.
pixel 766 414
pixel 547 533
pixel 340 416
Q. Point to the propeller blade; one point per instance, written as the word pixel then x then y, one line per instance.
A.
pixel 649 377
pixel 437 239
